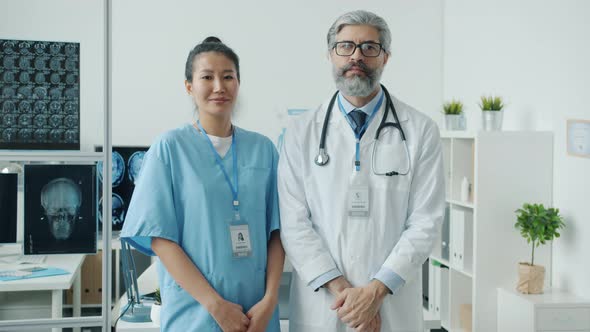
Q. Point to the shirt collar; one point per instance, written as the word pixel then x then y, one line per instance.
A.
pixel 367 109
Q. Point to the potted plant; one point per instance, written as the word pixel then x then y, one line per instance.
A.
pixel 492 112
pixel 454 119
pixel 156 308
pixel 537 225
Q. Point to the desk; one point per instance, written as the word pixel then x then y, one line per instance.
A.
pixel 55 284
pixel 123 326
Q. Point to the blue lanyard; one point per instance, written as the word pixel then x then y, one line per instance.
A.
pixel 234 190
pixel 357 162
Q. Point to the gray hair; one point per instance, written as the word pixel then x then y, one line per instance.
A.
pixel 361 17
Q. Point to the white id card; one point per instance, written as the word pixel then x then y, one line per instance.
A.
pixel 240 241
pixel 358 201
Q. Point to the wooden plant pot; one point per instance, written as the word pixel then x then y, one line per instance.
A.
pixel 530 278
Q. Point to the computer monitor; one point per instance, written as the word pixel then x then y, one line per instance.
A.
pixel 8 206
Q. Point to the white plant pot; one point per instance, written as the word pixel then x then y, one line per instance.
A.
pixel 492 120
pixel 155 314
pixel 454 122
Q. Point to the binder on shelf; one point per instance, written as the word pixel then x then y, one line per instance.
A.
pixel 458 239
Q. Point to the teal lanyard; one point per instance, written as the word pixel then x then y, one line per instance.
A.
pixel 357 162
pixel 234 148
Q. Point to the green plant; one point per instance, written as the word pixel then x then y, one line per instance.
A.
pixel 454 107
pixel 157 297
pixel 491 103
pixel 538 225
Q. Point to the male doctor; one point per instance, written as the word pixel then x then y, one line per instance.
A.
pixel 359 217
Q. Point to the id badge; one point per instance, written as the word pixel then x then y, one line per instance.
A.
pixel 240 238
pixel 358 201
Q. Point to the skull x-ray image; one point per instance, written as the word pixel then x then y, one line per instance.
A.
pixel 60 209
pixel 8 206
pixel 61 200
pixel 40 95
pixel 127 162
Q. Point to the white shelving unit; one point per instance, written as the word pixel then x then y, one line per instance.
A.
pixel 479 249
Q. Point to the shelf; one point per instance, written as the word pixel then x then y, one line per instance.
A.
pixel 468 205
pixel 440 260
pixel 463 272
pixel 430 323
pixel 445 326
pixel 49 156
pixel 457 134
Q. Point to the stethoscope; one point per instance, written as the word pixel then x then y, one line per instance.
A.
pixel 322 158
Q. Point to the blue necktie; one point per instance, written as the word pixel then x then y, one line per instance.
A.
pixel 358 117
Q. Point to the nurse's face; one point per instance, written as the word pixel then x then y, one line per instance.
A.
pixel 215 85
pixel 357 74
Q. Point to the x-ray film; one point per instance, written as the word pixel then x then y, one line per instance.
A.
pixel 60 209
pixel 39 95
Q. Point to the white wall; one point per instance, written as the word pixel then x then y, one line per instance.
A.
pixel 283 56
pixel 534 54
pixel 67 21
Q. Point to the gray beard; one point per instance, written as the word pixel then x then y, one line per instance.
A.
pixel 357 86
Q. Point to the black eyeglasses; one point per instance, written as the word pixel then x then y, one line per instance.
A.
pixel 368 49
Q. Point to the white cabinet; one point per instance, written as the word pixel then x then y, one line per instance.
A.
pixel 554 310
pixel 480 249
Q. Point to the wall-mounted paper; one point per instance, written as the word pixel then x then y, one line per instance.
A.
pixel 578 138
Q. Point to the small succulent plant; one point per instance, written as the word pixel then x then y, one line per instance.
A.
pixel 453 107
pixel 490 103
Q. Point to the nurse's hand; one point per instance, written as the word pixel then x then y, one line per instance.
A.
pixel 230 316
pixel 359 305
pixel 260 314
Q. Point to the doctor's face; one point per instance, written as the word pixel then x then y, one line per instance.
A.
pixel 214 88
pixel 357 74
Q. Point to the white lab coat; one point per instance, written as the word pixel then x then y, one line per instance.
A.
pixel 406 212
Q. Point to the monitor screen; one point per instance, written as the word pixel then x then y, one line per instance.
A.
pixel 8 199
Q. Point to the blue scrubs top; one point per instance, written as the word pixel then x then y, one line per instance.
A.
pixel 181 195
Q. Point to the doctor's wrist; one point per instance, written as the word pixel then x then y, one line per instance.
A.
pixel 337 285
pixel 379 288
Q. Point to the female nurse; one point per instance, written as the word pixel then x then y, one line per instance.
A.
pixel 206 204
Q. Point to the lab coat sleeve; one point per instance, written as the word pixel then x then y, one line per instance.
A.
pixel 272 213
pixel 425 209
pixel 304 247
pixel 390 279
pixel 151 212
pixel 318 282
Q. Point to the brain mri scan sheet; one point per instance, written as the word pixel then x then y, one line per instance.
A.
pixel 127 162
pixel 39 95
pixel 60 209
